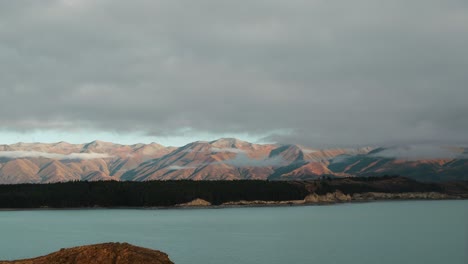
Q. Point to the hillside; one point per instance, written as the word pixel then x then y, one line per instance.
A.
pixel 222 159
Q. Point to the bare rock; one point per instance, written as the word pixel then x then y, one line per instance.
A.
pixel 334 197
pixel 196 202
pixel 108 253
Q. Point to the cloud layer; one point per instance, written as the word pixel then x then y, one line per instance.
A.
pixel 37 154
pixel 242 160
pixel 422 151
pixel 230 150
pixel 178 167
pixel 324 72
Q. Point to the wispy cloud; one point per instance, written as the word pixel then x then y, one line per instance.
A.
pixel 242 160
pixel 308 151
pixel 426 151
pixel 340 159
pixel 177 167
pixel 231 150
pixel 37 154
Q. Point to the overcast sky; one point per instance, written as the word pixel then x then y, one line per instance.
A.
pixel 318 73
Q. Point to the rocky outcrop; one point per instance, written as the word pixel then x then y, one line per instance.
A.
pixel 195 203
pixel 260 203
pixel 108 253
pixel 327 198
pixel 339 197
pixel 309 199
pixel 401 196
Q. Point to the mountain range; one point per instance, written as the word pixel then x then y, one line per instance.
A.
pixel 222 159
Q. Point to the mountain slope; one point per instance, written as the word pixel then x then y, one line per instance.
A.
pixel 222 159
pixel 19 171
pixel 57 162
pixel 219 159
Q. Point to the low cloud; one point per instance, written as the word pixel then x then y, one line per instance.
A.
pixel 242 160
pixel 340 159
pixel 37 154
pixel 231 150
pixel 308 151
pixel 417 152
pixel 177 167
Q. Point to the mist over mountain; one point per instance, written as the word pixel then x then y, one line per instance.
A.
pixel 222 159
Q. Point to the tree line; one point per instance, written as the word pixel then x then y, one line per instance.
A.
pixel 80 194
pixel 143 194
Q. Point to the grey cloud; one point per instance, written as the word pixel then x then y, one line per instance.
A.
pixel 232 150
pixel 332 73
pixel 242 160
pixel 417 152
pixel 37 154
pixel 308 151
pixel 340 159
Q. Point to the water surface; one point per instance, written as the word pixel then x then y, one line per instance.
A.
pixel 381 232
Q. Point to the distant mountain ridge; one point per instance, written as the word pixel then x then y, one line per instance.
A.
pixel 222 159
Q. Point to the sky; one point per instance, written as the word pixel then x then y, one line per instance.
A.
pixel 311 72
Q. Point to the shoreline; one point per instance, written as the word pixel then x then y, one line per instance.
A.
pixel 240 204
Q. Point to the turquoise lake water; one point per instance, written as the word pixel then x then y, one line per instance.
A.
pixel 380 232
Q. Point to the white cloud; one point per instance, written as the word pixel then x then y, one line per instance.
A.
pixel 232 150
pixel 177 167
pixel 308 151
pixel 37 154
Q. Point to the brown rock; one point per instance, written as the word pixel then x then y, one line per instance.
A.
pixel 196 202
pixel 334 197
pixel 108 253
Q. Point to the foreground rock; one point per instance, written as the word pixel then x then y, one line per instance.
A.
pixel 108 253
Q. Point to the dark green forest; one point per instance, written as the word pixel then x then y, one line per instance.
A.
pixel 169 193
pixel 143 194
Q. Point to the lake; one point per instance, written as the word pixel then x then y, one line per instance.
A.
pixel 379 232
